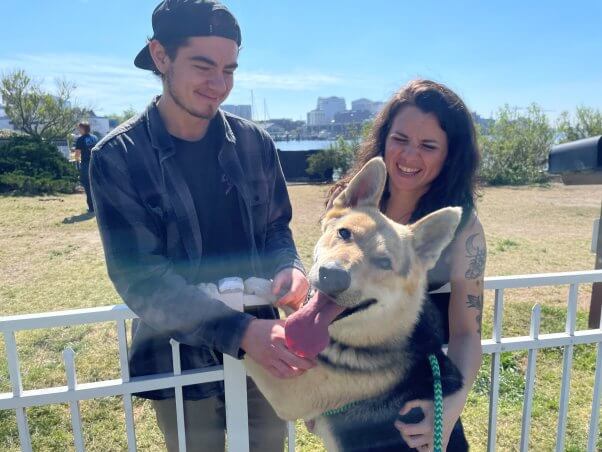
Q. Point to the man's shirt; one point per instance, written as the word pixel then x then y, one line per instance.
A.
pixel 150 224
pixel 226 249
pixel 85 143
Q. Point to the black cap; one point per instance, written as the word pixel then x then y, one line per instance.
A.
pixel 187 18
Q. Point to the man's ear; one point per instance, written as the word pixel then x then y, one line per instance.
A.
pixel 159 55
pixel 366 188
pixel 434 232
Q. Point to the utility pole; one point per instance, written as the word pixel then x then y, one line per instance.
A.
pixel 266 115
pixel 596 303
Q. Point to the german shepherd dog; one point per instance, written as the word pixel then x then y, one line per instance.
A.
pixel 369 324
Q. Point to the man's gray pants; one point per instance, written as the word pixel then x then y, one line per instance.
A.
pixel 205 422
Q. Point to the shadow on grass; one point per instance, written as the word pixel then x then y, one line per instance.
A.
pixel 79 218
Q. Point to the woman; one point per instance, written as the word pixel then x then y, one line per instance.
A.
pixel 427 138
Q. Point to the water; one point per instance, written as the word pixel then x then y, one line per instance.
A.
pixel 303 145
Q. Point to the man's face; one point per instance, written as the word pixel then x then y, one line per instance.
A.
pixel 201 76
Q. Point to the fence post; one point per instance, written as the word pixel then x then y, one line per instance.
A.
pixel 125 377
pixel 14 371
pixel 180 416
pixel 76 420
pixel 567 365
pixel 597 398
pixel 235 377
pixel 530 379
pixel 495 369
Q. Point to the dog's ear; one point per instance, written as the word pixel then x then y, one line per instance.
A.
pixel 434 232
pixel 366 188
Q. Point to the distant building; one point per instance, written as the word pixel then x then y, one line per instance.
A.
pixel 276 131
pixel 316 118
pixel 367 105
pixel 352 117
pixel 331 106
pixel 244 111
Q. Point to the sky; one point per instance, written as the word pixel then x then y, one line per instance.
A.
pixel 490 53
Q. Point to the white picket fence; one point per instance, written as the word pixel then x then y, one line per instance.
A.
pixel 233 374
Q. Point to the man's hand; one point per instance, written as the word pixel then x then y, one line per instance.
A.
pixel 291 285
pixel 264 342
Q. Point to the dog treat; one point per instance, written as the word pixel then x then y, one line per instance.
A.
pixel 210 289
pixel 306 331
pixel 260 287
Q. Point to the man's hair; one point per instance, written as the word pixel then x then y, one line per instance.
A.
pixel 85 125
pixel 171 47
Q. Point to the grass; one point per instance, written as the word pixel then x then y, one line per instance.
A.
pixel 51 259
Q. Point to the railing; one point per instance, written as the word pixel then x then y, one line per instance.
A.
pixel 231 292
pixel 233 374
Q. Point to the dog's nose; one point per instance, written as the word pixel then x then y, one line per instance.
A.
pixel 334 279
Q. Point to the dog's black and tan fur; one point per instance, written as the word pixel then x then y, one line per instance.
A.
pixel 377 358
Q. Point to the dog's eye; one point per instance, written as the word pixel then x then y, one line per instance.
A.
pixel 344 233
pixel 384 263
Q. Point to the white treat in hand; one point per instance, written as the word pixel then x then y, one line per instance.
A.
pixel 261 288
pixel 210 289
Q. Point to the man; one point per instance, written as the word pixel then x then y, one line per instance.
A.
pixel 186 193
pixel 83 148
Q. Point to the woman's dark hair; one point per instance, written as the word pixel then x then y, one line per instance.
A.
pixel 456 183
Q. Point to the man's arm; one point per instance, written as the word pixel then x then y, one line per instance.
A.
pixel 144 277
pixel 77 147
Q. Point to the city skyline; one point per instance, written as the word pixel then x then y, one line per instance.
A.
pixel 515 53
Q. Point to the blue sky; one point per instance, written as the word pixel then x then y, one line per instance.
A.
pixel 491 53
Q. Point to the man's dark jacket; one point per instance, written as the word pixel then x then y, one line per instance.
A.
pixel 153 246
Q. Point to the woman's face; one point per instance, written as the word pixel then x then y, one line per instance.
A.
pixel 415 150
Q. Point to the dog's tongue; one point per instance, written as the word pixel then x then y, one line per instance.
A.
pixel 306 331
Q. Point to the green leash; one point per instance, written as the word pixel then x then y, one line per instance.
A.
pixel 437 404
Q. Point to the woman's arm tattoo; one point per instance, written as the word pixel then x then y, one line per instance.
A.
pixel 477 303
pixel 476 267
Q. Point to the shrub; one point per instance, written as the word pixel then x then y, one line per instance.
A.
pixel 516 147
pixel 29 166
pixel 338 156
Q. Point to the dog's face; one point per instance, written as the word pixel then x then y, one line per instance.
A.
pixel 373 267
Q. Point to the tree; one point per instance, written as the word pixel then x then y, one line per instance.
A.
pixel 124 116
pixel 516 147
pixel 587 123
pixel 39 114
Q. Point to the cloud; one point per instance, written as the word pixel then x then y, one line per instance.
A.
pixel 109 84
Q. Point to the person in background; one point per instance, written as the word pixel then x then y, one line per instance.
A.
pixel 83 150
pixel 426 137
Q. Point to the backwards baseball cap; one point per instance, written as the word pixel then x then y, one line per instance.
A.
pixel 173 19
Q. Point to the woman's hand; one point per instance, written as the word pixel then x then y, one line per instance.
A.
pixel 420 435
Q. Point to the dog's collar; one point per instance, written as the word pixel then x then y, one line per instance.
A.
pixel 342 409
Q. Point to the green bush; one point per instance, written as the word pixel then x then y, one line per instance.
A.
pixel 516 147
pixel 338 156
pixel 30 167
